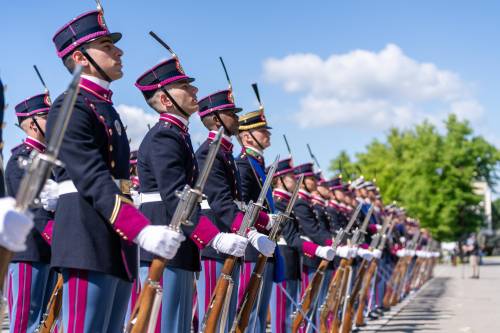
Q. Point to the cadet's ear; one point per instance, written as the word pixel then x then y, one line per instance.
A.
pixel 164 100
pixel 79 58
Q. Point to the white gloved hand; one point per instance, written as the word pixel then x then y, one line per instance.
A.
pixel 160 240
pixel 411 253
pixel 377 254
pixel 272 221
pixel 343 251
pixel 401 253
pixel 49 195
pixel 365 254
pixel 136 198
pixel 325 252
pixel 420 254
pixel 229 243
pixel 14 226
pixel 261 242
pixel 353 251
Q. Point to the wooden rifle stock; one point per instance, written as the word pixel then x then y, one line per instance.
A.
pixel 141 314
pixel 332 297
pixel 389 289
pixel 335 326
pixel 53 308
pixel 348 315
pixel 218 297
pixel 251 294
pixel 309 295
pixel 365 290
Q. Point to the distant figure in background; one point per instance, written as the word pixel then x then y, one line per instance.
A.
pixel 472 249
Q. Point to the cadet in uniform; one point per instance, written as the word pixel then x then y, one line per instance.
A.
pixel 255 138
pixel 30 278
pixel 291 245
pixel 166 163
pixel 223 191
pixel 96 223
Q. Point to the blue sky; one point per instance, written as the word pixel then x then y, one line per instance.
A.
pixel 335 74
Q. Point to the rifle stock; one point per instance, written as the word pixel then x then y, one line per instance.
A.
pixel 349 312
pixel 309 295
pixel 53 308
pixel 360 319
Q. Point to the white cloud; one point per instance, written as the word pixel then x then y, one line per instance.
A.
pixel 136 120
pixel 380 89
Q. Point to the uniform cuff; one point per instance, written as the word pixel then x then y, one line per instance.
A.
pixel 47 231
pixel 262 221
pixel 235 227
pixel 309 249
pixel 204 232
pixel 364 246
pixel 128 221
pixel 372 229
pixel 328 242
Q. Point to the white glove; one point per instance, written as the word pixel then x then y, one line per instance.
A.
pixel 377 254
pixel 136 198
pixel 420 254
pixel 14 226
pixel 325 252
pixel 272 221
pixel 401 253
pixel 49 195
pixel 410 253
pixel 261 242
pixel 365 254
pixel 229 243
pixel 160 240
pixel 343 251
pixel 353 251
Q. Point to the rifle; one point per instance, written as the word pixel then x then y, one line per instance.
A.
pixel 251 293
pixel 377 243
pixel 143 317
pixel 224 285
pixel 53 311
pixel 313 288
pixel 351 298
pixel 39 165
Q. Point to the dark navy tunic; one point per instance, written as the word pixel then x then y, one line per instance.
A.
pixel 95 226
pixel 37 242
pixel 166 163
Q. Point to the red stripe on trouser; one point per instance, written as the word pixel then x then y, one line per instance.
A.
pixel 9 296
pixel 23 298
pixel 246 273
pixel 78 289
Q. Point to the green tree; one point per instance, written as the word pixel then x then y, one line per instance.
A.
pixel 432 174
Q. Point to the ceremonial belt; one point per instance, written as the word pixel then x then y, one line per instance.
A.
pixel 307 239
pixel 155 197
pixel 282 241
pixel 68 186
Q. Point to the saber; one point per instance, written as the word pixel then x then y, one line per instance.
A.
pixel 227 75
pixel 313 156
pixel 287 145
pixel 257 94
pixel 41 78
pixel 162 43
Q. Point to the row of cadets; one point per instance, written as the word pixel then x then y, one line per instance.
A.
pixel 30 278
pixel 166 163
pixel 285 294
pixel 312 229
pixel 96 225
pixel 224 197
pixel 255 137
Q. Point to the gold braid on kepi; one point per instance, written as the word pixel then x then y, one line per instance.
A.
pixel 253 120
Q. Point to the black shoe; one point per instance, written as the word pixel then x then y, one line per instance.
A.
pixel 385 309
pixel 373 316
pixel 379 312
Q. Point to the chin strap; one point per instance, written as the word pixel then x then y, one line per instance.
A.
pixel 305 185
pixel 257 141
pixel 177 106
pixel 284 185
pixel 222 123
pixel 96 66
pixel 38 126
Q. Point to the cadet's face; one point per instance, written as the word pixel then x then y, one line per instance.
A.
pixel 184 94
pixel 324 192
pixel 230 120
pixel 289 180
pixel 263 136
pixel 107 56
pixel 339 195
pixel 310 183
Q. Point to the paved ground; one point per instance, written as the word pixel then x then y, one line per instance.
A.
pixel 447 304
pixel 450 303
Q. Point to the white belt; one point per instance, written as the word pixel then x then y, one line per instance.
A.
pixel 307 239
pixel 282 241
pixel 149 197
pixel 241 205
pixel 68 186
pixel 204 204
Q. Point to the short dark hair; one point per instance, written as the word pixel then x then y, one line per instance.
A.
pixel 69 63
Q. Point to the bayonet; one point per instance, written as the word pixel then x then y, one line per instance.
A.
pixel 356 238
pixel 339 238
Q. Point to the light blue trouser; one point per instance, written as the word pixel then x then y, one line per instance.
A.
pixel 93 302
pixel 177 302
pixel 30 287
pixel 282 307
